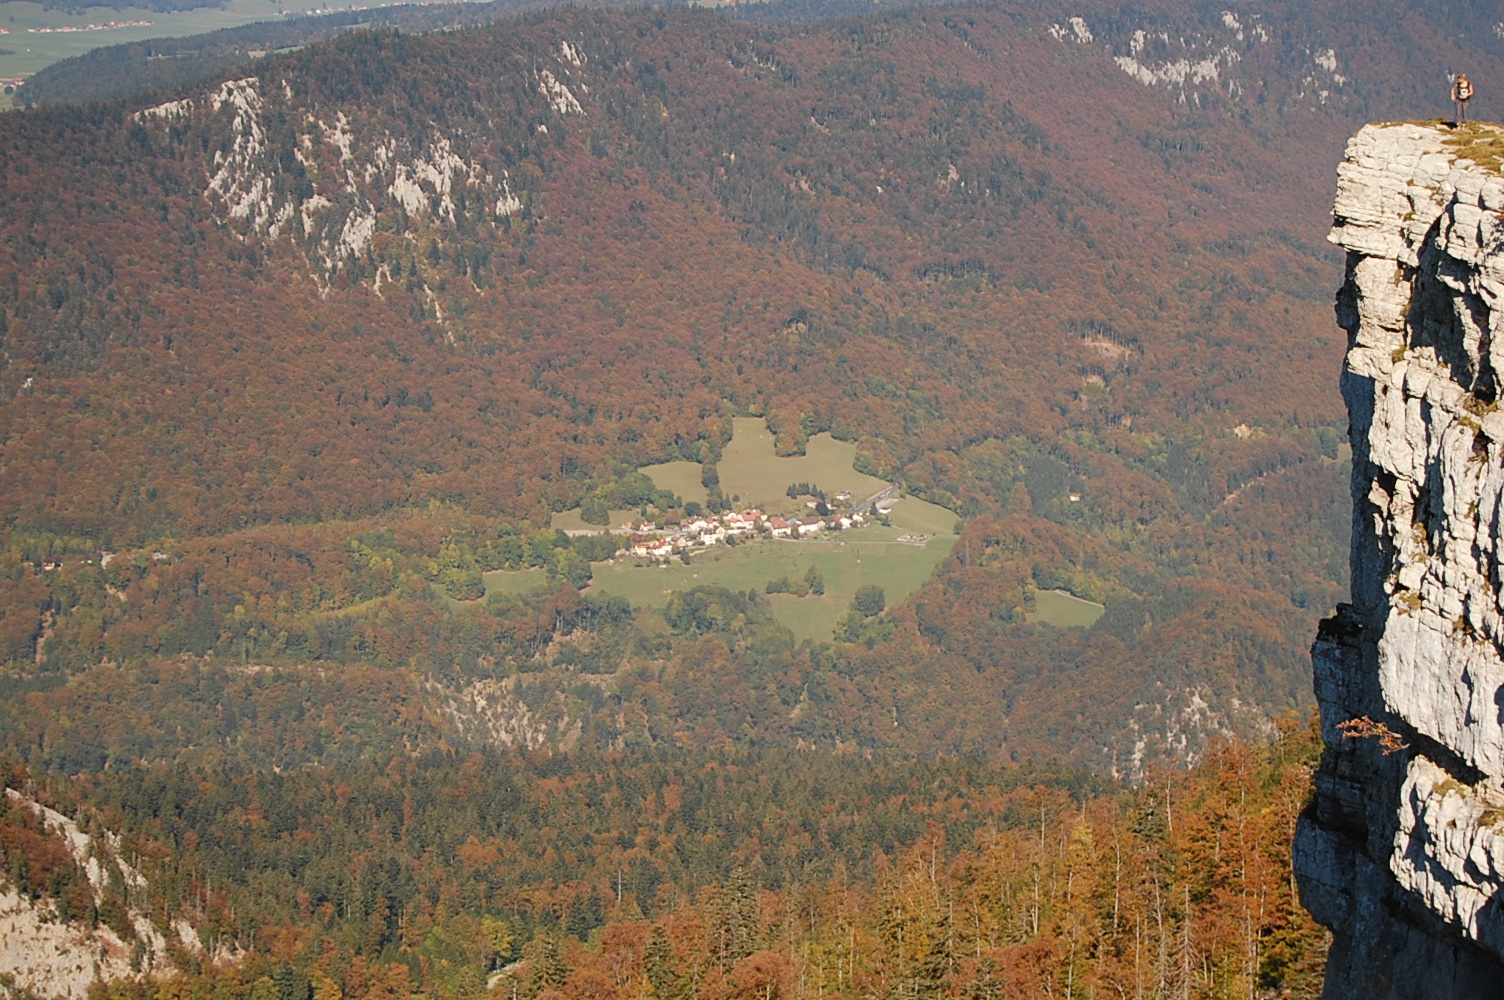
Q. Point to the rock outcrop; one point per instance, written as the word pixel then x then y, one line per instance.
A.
pixel 1401 853
pixel 44 955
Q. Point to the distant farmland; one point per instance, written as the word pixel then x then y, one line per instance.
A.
pixel 848 559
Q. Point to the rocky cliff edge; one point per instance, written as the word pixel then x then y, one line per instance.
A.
pixel 1401 853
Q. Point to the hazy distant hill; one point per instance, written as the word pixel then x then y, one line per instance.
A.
pixel 321 332
pixel 1208 43
pixel 112 72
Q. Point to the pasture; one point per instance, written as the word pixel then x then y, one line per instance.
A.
pixel 848 560
pixel 569 520
pixel 898 558
pixel 519 581
pixel 681 478
pixel 1063 610
pixel 32 50
pixel 749 468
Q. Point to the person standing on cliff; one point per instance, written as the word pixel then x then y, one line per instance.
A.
pixel 1462 92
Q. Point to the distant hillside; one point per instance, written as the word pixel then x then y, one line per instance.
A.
pixel 82 6
pixel 304 344
pixel 113 72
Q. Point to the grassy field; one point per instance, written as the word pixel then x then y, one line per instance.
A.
pixel 912 516
pixel 751 471
pixel 682 478
pixel 501 581
pixel 497 581
pixel 898 558
pixel 1056 607
pixel 27 51
pixel 749 468
pixel 31 51
pixel 848 561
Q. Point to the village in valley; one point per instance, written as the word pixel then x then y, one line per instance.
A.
pixel 753 520
pixel 729 527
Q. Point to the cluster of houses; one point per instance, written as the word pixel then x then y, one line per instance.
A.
pixel 105 558
pixel 650 542
pixel 71 28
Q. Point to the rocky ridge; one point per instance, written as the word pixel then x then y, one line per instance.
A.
pixel 1402 850
pixel 331 184
pixel 1206 62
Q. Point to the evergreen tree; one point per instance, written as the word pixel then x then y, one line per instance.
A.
pixel 549 970
pixel 658 964
pixel 736 918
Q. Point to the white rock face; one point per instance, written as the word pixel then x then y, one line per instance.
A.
pixel 350 176
pixel 1220 59
pixel 1422 384
pixel 494 711
pixel 41 953
pixel 1447 850
pixel 1419 831
pixel 560 97
pixel 1179 72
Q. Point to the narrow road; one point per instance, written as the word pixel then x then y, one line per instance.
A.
pixel 868 503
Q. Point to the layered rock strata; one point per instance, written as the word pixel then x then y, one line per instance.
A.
pixel 1401 853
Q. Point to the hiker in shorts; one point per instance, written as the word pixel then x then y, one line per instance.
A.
pixel 1462 92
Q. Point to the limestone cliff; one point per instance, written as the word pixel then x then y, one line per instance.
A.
pixel 43 955
pixel 1402 850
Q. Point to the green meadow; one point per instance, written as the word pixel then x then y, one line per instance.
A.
pixel 847 559
pixel 749 468
pixel 569 520
pixel 1056 607
pixel 682 478
pixel 520 581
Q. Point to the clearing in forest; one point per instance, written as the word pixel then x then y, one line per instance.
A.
pixel 570 520
pixel 45 44
pixel 1063 610
pixel 679 478
pixel 898 557
pixel 749 468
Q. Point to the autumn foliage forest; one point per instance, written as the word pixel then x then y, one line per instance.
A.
pixel 749 874
pixel 290 361
pixel 904 230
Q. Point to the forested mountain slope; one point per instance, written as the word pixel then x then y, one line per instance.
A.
pixel 291 358
pixel 297 345
pixel 736 874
